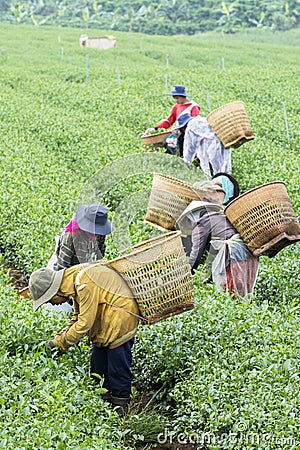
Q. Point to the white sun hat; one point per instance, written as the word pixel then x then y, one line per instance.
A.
pixel 190 215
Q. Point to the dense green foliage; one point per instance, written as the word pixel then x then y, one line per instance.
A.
pixel 165 17
pixel 66 121
pixel 47 401
pixel 229 368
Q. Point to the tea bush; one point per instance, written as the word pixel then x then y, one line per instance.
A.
pixel 228 367
pixel 47 400
pixel 71 125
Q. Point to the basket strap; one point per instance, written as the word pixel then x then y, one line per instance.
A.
pixel 126 310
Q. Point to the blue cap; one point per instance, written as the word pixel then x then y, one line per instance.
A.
pixel 93 219
pixel 177 89
pixel 183 120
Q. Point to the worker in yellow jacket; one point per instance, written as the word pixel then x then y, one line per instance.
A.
pixel 104 309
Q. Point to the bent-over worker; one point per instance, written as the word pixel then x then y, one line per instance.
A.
pixel 233 267
pixel 104 309
pixel 201 142
pixel 83 239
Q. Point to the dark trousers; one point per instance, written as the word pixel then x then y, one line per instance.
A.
pixel 115 366
pixel 187 244
pixel 180 142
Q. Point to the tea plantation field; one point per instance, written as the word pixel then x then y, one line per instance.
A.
pixel 223 376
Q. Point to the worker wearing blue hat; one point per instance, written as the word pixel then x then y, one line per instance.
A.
pixel 182 106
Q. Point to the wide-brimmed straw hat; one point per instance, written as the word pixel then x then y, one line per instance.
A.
pixel 187 219
pixel 44 284
pixel 213 191
pixel 93 219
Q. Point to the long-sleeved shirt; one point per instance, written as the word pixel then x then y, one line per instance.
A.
pixel 189 107
pixel 201 141
pixel 78 248
pixel 104 307
pixel 215 225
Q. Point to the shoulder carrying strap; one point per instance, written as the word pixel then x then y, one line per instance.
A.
pixel 188 109
pixel 129 312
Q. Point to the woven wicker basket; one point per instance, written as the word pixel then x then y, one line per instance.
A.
pixel 155 139
pixel 168 199
pixel 231 124
pixel 159 276
pixel 265 219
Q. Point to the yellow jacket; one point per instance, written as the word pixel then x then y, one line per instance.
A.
pixel 104 307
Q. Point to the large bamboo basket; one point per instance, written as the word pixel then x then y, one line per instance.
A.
pixel 156 139
pixel 159 276
pixel 231 124
pixel 168 199
pixel 265 219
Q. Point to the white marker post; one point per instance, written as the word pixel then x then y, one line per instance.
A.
pixel 118 76
pixel 223 64
pixel 167 61
pixel 286 121
pixel 208 100
pixel 87 67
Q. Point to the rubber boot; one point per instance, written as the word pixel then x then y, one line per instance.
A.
pixel 121 405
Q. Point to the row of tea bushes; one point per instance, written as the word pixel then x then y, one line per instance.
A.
pixel 207 368
pixel 226 367
pixel 47 400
